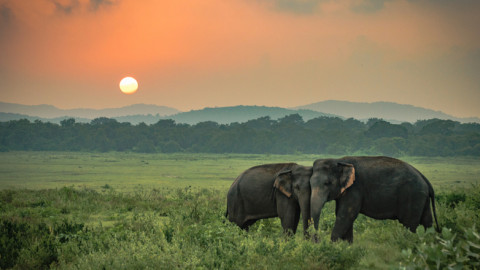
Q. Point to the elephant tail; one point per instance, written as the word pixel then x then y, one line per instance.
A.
pixel 432 198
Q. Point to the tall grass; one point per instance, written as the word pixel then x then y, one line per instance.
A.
pixel 179 223
pixel 185 228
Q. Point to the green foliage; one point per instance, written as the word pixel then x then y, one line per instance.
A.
pixel 445 251
pixel 287 135
pixel 451 199
pixel 459 209
pixel 458 245
pixel 27 246
pixel 382 129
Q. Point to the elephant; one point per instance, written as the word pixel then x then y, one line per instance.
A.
pixel 378 187
pixel 271 190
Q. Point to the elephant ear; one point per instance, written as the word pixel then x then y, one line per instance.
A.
pixel 348 176
pixel 283 182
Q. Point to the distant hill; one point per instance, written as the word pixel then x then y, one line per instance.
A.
pixel 389 111
pixel 49 111
pixel 133 119
pixel 16 116
pixel 150 114
pixel 240 114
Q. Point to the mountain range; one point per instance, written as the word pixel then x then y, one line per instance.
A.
pixel 240 114
pixel 49 111
pixel 389 111
pixel 149 114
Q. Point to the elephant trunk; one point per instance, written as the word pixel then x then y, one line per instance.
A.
pixel 317 202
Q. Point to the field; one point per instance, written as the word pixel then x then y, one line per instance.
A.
pixel 65 210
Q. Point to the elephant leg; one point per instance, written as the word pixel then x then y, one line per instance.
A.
pixel 290 224
pixel 348 236
pixel 246 225
pixel 290 221
pixel 346 213
pixel 411 211
pixel 289 213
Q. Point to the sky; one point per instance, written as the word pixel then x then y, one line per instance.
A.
pixel 191 54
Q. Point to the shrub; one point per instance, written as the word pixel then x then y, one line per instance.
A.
pixel 451 199
pixel 12 237
pixel 445 251
pixel 26 246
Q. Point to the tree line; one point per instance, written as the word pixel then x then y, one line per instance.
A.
pixel 287 135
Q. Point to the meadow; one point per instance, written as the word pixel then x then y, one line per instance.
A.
pixel 120 210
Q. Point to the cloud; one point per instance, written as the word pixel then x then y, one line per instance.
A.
pixel 372 6
pixel 7 24
pixel 6 14
pixel 369 6
pixel 293 6
pixel 446 2
pixel 96 4
pixel 72 5
pixel 66 8
pixel 297 6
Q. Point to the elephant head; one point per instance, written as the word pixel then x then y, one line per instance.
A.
pixel 330 179
pixel 295 184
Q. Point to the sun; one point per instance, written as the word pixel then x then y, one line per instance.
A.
pixel 128 85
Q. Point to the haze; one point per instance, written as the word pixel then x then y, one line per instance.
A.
pixel 194 54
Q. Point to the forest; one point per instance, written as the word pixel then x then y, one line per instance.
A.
pixel 287 135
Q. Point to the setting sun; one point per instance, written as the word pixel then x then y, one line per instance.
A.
pixel 128 85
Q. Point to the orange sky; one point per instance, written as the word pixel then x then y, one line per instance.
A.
pixel 190 54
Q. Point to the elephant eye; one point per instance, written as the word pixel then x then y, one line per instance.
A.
pixel 328 182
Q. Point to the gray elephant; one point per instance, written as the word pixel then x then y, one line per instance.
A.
pixel 378 187
pixel 271 190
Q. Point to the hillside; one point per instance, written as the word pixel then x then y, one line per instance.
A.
pixel 240 114
pixel 133 119
pixel 145 113
pixel 389 111
pixel 4 117
pixel 150 114
pixel 49 111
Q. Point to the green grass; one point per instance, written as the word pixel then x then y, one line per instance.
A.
pixel 126 171
pixel 136 211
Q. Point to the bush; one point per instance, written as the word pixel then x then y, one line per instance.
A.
pixel 26 246
pixel 446 251
pixel 451 199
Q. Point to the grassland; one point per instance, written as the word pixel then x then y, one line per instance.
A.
pixel 126 171
pixel 127 210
